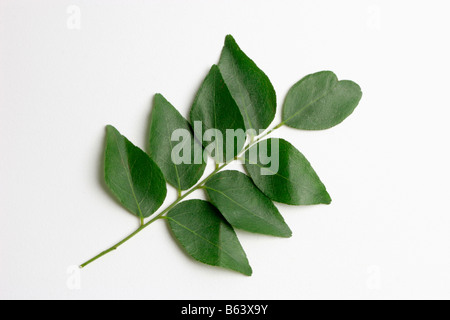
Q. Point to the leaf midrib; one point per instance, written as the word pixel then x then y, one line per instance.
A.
pixel 311 103
pixel 204 239
pixel 243 95
pixel 171 147
pixel 215 116
pixel 128 172
pixel 246 209
pixel 277 174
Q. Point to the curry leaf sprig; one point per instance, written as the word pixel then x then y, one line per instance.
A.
pixel 236 96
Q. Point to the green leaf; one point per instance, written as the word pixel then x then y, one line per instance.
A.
pixel 207 236
pixel 166 120
pixel 244 205
pixel 249 86
pixel 319 101
pixel 288 177
pixel 132 176
pixel 215 108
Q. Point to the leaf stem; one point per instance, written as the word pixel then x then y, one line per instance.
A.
pixel 114 247
pixel 198 186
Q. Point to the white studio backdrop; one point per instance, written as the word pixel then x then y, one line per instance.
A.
pixel 69 68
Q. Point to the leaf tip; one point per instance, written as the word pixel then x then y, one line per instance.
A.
pixel 327 198
pixel 111 130
pixel 288 234
pixel 215 68
pixel 284 232
pixel 229 38
pixel 248 271
pixel 159 99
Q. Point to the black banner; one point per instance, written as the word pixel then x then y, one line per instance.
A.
pixel 227 309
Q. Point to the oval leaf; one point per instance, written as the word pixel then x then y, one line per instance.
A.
pixel 319 101
pixel 181 161
pixel 207 236
pixel 132 176
pixel 283 174
pixel 244 205
pixel 249 86
pixel 215 115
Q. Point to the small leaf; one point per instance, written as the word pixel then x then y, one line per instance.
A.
pixel 132 176
pixel 288 177
pixel 216 112
pixel 165 121
pixel 249 86
pixel 244 205
pixel 319 101
pixel 207 236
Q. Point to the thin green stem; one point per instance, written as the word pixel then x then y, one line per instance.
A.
pixel 199 185
pixel 253 142
pixel 114 247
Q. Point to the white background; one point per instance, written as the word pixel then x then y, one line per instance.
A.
pixel 386 234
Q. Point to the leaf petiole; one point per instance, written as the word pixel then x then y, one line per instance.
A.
pixel 181 197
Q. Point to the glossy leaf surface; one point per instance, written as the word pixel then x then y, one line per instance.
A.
pixel 249 86
pixel 130 174
pixel 244 205
pixel 319 101
pixel 292 180
pixel 207 236
pixel 217 115
pixel 168 132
